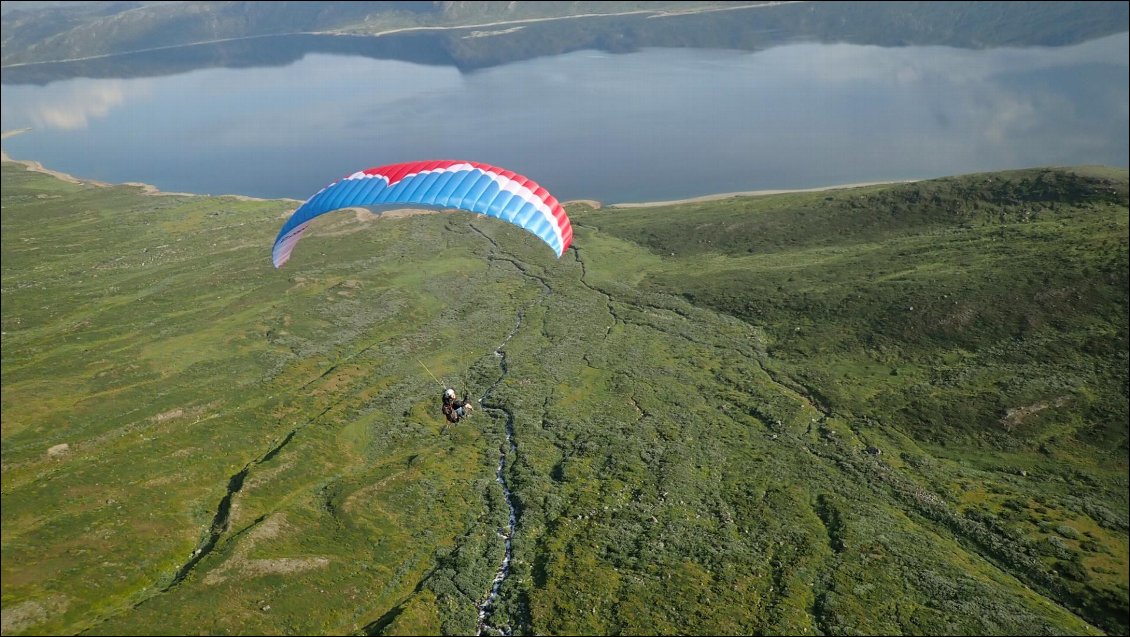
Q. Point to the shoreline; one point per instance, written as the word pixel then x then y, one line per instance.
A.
pixel 756 193
pixel 595 204
pixel 521 23
pixel 147 189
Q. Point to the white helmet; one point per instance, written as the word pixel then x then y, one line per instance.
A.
pixel 449 393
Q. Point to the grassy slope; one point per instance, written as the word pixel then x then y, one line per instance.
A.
pixel 982 317
pixel 681 467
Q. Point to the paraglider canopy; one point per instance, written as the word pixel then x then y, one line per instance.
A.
pixel 462 185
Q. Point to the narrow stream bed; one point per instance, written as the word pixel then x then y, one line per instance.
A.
pixel 486 606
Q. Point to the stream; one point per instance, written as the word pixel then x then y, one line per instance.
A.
pixel 486 606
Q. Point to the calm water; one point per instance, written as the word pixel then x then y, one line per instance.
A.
pixel 652 125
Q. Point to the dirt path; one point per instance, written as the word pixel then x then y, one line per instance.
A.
pixel 654 13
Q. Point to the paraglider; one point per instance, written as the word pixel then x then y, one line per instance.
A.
pixel 455 409
pixel 462 185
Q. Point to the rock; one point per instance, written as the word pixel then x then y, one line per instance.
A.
pixel 59 450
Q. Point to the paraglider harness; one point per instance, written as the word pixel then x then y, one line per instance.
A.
pixel 455 409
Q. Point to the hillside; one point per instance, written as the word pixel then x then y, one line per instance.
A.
pixel 895 409
pixel 106 28
pixel 478 34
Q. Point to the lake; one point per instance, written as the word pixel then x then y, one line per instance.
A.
pixel 653 124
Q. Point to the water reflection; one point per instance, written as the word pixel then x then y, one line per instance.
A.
pixel 73 105
pixel 656 124
pixel 749 28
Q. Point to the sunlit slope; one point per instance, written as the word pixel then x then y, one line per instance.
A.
pixel 252 450
pixel 982 317
pixel 152 336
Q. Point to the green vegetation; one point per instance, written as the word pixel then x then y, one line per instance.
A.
pixel 107 28
pixel 503 32
pixel 727 417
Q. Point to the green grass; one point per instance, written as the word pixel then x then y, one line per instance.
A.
pixel 752 435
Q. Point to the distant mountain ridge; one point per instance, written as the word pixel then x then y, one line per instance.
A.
pixel 90 30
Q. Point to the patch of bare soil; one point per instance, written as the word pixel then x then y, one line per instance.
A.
pixel 24 615
pixel 240 565
pixel 1015 417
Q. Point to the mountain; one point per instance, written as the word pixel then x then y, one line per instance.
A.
pixel 887 409
pixel 477 34
pixel 107 28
